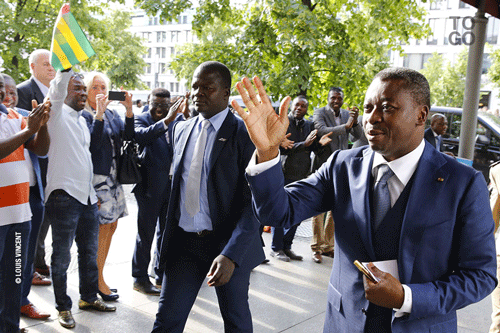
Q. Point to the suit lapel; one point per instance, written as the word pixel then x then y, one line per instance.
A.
pixel 223 135
pixel 360 180
pixel 179 150
pixel 429 182
pixel 36 91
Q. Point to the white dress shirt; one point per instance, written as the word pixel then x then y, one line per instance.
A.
pixel 70 163
pixel 403 168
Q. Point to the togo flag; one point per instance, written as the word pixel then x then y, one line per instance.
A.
pixel 69 46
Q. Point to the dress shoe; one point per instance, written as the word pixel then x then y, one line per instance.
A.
pixel 113 290
pixel 329 254
pixel 43 270
pixel 110 297
pixel 317 257
pixel 146 288
pixel 66 319
pixel 40 280
pixel 265 261
pixel 292 255
pixel 98 305
pixel 30 311
pixel 280 255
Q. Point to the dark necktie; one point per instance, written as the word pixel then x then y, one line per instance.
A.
pixel 381 196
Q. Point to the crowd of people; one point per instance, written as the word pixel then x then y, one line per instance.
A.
pixel 213 173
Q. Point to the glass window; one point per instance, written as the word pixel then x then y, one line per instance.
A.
pixel 433 24
pixel 185 19
pixel 492 30
pixel 171 86
pixel 148 69
pixel 454 126
pixel 164 36
pixel 462 4
pixel 158 36
pixel 436 4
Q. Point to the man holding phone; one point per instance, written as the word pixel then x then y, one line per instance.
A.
pixel 398 200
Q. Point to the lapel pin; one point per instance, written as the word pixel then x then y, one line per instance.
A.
pixel 440 179
pixel 222 139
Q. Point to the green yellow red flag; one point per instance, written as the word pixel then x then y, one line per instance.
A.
pixel 70 46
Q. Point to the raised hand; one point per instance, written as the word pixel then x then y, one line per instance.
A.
pixel 127 103
pixel 266 129
pixel 310 138
pixel 325 139
pixel 38 117
pixel 102 103
pixel 287 143
pixel 353 117
pixel 174 109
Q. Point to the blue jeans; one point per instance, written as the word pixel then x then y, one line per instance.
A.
pixel 72 220
pixel 13 249
pixel 37 209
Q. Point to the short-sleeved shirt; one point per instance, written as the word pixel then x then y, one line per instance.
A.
pixel 14 171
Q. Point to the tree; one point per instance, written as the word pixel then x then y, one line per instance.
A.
pixel 28 25
pixel 448 85
pixel 297 47
pixel 494 70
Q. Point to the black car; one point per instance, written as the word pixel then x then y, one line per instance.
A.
pixel 487 148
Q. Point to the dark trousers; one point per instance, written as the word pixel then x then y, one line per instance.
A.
pixel 72 220
pixel 37 209
pixel 182 280
pixel 151 211
pixel 283 238
pixel 39 261
pixel 13 248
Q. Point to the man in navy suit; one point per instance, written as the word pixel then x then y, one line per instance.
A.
pixel 434 134
pixel 431 218
pixel 211 230
pixel 151 131
pixel 36 88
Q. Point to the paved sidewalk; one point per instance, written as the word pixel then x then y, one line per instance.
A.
pixel 284 297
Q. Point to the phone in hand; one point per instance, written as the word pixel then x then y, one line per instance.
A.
pixel 366 271
pixel 116 95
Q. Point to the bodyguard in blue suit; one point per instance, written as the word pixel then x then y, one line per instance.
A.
pixel 211 230
pixel 398 199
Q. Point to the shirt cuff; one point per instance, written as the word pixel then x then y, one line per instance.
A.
pixel 407 303
pixel 253 169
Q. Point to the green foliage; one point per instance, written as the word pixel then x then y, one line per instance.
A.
pixel 448 85
pixel 494 70
pixel 297 47
pixel 28 25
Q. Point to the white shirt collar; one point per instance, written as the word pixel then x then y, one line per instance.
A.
pixel 43 88
pixel 403 167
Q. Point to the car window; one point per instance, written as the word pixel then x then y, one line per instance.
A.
pixel 454 126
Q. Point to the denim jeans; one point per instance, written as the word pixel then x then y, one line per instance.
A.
pixel 72 220
pixel 13 250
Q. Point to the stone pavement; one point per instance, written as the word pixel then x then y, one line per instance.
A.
pixel 284 297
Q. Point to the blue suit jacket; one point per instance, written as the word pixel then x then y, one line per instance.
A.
pixel 156 154
pixel 446 250
pixel 234 225
pixel 101 135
